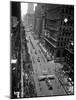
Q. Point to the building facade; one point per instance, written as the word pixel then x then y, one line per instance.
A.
pixel 57 31
pixel 57 22
pixel 29 17
pixel 15 57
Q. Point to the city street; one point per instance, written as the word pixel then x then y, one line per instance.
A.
pixel 42 49
pixel 41 65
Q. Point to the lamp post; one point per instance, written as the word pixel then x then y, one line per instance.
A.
pixel 65 20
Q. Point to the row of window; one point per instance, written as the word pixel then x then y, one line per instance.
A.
pixel 67 10
pixel 62 28
pixel 61 44
pixel 65 43
pixel 66 29
pixel 69 23
pixel 63 39
pixel 66 34
pixel 54 25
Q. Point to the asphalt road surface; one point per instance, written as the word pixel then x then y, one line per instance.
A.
pixel 40 64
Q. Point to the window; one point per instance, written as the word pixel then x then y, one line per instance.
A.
pixel 63 34
pixel 70 11
pixel 65 39
pixel 58 53
pixel 63 29
pixel 70 29
pixel 58 43
pixel 61 22
pixel 64 44
pixel 69 17
pixel 68 39
pixel 63 10
pixel 58 38
pixel 60 28
pixel 66 11
pixel 63 53
pixel 71 23
pixel 62 39
pixel 61 44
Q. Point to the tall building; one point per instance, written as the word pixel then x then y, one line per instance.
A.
pixel 57 31
pixel 57 27
pixel 15 49
pixel 29 17
pixel 68 33
pixel 30 9
pixel 37 20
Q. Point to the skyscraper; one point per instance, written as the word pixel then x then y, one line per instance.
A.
pixel 29 18
pixel 30 9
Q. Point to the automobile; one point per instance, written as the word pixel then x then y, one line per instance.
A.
pixel 49 84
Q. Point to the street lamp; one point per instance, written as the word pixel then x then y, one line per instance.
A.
pixel 65 20
pixel 72 43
